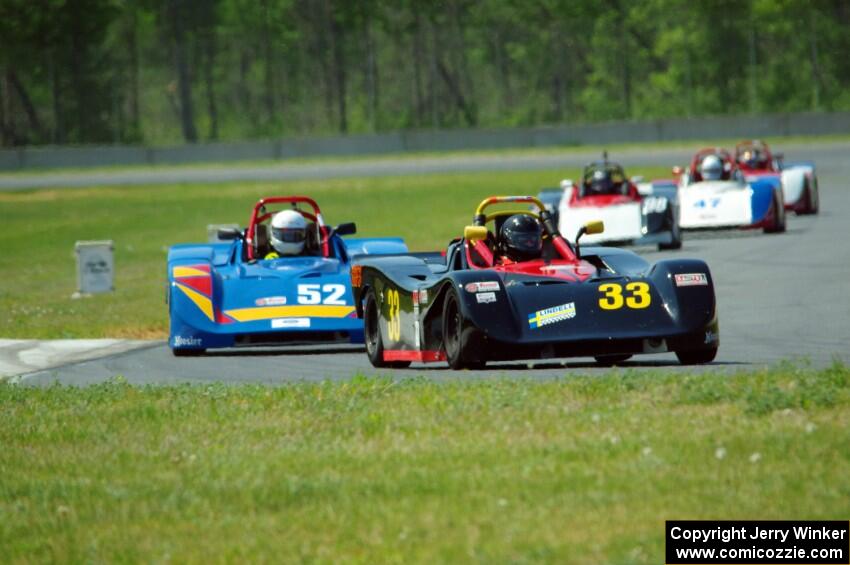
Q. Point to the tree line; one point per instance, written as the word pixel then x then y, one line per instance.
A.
pixel 166 71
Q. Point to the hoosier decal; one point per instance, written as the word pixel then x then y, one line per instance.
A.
pixel 482 286
pixel 552 315
pixel 691 279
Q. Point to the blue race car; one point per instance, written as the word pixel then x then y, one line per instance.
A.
pixel 238 292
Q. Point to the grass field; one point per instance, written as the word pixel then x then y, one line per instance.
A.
pixel 38 230
pixel 583 470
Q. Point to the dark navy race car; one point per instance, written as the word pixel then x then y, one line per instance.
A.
pixel 482 302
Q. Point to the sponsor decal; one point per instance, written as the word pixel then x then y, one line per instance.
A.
pixel 271 301
pixel 423 297
pixel 279 323
pixel 552 315
pixel 483 286
pixel 710 337
pixel 180 341
pixel 485 297
pixel 691 279
pixel 414 297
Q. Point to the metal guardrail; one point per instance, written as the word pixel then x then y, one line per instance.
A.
pixel 671 129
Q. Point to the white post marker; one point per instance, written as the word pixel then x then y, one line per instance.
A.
pixel 95 267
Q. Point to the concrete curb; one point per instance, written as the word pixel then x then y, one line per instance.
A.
pixel 21 356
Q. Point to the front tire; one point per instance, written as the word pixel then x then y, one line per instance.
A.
pixel 812 198
pixel 460 343
pixel 697 356
pixel 778 223
pixel 372 335
pixel 675 233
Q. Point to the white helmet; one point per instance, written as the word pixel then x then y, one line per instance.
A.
pixel 289 232
pixel 711 168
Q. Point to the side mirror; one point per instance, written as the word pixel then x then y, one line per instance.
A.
pixel 677 170
pixel 228 234
pixel 475 233
pixel 591 228
pixel 349 228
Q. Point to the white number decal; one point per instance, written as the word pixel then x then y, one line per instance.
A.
pixel 313 294
pixel 654 204
pixel 335 293
pixel 309 294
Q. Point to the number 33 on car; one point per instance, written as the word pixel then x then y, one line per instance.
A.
pixel 470 305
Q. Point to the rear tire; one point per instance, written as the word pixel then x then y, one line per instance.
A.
pixel 697 356
pixel 611 360
pixel 372 335
pixel 460 343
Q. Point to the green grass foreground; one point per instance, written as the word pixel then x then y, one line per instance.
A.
pixel 38 230
pixel 579 470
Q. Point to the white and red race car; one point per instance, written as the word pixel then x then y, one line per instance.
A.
pixel 635 213
pixel 799 181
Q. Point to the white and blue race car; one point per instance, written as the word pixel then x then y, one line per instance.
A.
pixel 715 194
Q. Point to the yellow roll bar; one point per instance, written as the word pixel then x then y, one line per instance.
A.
pixel 501 199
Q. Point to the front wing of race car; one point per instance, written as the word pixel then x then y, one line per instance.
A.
pixel 671 309
pixel 729 204
pixel 255 312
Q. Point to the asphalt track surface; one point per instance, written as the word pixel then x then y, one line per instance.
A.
pixel 780 297
pixel 382 166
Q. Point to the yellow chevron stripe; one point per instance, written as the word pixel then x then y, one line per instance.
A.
pixel 178 272
pixel 201 301
pixel 300 311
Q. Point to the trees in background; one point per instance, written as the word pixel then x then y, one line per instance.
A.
pixel 165 71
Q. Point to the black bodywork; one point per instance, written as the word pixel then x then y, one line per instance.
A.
pixel 402 325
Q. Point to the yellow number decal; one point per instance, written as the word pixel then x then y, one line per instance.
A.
pixel 637 299
pixel 394 323
pixel 640 297
pixel 613 298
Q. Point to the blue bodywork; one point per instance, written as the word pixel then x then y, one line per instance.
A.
pixel 217 298
pixel 763 196
pixel 764 191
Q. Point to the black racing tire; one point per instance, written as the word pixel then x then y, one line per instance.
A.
pixel 779 219
pixel 188 352
pixel 812 199
pixel 611 360
pixel 697 356
pixel 460 343
pixel 372 335
pixel 675 232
